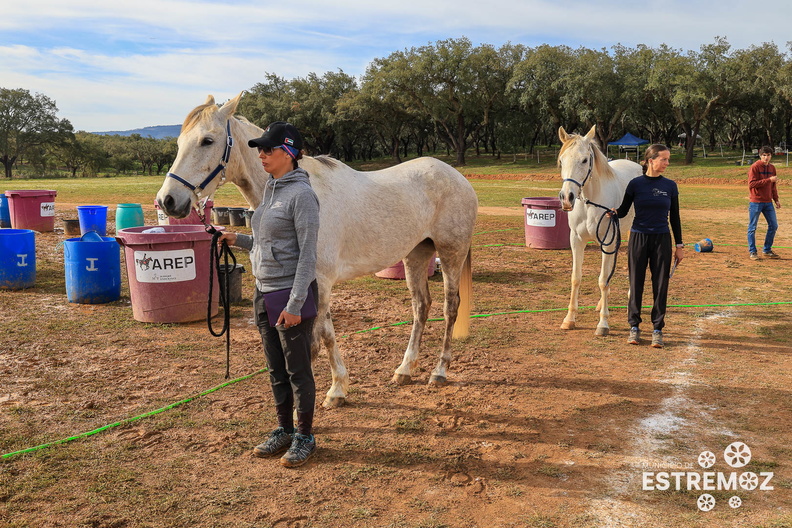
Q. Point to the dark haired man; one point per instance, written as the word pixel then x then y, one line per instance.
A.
pixel 763 192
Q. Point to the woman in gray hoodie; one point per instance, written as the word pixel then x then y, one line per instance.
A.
pixel 283 256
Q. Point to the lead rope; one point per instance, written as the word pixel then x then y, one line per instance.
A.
pixel 612 233
pixel 215 254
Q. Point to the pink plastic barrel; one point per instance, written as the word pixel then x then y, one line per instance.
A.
pixel 168 272
pixel 191 219
pixel 546 225
pixel 34 209
pixel 397 270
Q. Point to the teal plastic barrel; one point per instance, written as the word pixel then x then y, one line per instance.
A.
pixel 92 218
pixel 17 259
pixel 93 269
pixel 129 215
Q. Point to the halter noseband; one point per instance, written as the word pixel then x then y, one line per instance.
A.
pixel 219 169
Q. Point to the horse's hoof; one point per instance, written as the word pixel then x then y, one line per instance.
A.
pixel 602 331
pixel 402 379
pixel 438 381
pixel 333 403
pixel 568 325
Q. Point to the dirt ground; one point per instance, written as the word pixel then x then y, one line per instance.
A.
pixel 538 427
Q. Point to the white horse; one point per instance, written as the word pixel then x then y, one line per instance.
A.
pixel 590 186
pixel 368 221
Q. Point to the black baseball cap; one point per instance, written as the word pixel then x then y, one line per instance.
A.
pixel 277 134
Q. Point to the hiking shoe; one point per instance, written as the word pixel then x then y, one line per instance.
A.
pixel 754 256
pixel 770 254
pixel 279 440
pixel 657 339
pixel 635 336
pixel 302 448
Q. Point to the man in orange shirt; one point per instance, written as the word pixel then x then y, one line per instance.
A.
pixel 763 192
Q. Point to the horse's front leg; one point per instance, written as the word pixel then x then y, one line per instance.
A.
pixel 608 261
pixel 324 334
pixel 415 273
pixel 578 245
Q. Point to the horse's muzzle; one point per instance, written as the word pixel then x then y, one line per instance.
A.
pixel 172 208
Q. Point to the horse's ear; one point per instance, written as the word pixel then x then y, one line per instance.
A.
pixel 562 135
pixel 230 107
pixel 209 100
pixel 592 132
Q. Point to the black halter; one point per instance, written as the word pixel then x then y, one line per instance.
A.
pixel 197 189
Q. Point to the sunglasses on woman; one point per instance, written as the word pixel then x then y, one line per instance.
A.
pixel 268 150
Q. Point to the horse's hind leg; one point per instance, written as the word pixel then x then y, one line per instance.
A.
pixel 415 270
pixel 324 334
pixel 454 265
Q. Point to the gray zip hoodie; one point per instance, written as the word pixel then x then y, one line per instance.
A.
pixel 283 246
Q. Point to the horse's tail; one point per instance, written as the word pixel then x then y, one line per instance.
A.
pixel 462 324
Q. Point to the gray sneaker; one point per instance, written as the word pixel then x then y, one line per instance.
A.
pixel 279 440
pixel 753 255
pixel 302 448
pixel 657 339
pixel 635 336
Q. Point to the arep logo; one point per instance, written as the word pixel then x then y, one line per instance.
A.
pixel 736 455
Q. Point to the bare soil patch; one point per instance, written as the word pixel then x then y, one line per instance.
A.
pixel 539 427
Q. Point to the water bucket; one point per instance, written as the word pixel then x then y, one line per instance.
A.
pixel 71 227
pixel 34 210
pixel 93 269
pixel 92 218
pixel 546 225
pixel 128 215
pixel 17 259
pixel 191 219
pixel 168 272
pixel 236 216
pixel 397 270
pixel 703 246
pixel 5 213
pixel 220 216
pixel 234 281
pixel 249 217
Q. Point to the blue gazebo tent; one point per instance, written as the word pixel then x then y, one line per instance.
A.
pixel 628 140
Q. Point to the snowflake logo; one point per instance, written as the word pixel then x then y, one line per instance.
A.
pixel 706 502
pixel 706 459
pixel 737 454
pixel 735 501
pixel 748 481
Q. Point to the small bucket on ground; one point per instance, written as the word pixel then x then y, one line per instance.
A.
pixel 5 213
pixel 234 281
pixel 236 216
pixel 249 217
pixel 128 215
pixel 546 225
pixel 93 269
pixel 220 216
pixel 703 246
pixel 17 259
pixel 71 227
pixel 168 271
pixel 32 209
pixel 92 218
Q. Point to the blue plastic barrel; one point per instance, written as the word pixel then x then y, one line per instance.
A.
pixel 129 215
pixel 5 212
pixel 93 269
pixel 92 218
pixel 17 259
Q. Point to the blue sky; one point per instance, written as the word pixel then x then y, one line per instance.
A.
pixel 123 65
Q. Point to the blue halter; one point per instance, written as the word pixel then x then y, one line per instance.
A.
pixel 591 166
pixel 219 169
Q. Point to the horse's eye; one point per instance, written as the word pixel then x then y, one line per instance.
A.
pixel 207 141
pixel 585 161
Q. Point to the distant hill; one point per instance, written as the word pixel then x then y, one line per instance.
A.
pixel 156 132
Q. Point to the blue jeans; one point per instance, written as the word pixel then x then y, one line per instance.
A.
pixel 767 209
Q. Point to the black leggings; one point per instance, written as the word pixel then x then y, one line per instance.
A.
pixel 288 354
pixel 654 252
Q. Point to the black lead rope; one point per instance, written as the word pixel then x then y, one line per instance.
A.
pixel 612 233
pixel 215 254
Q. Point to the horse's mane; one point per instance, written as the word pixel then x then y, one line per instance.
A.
pixel 601 164
pixel 327 161
pixel 199 113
